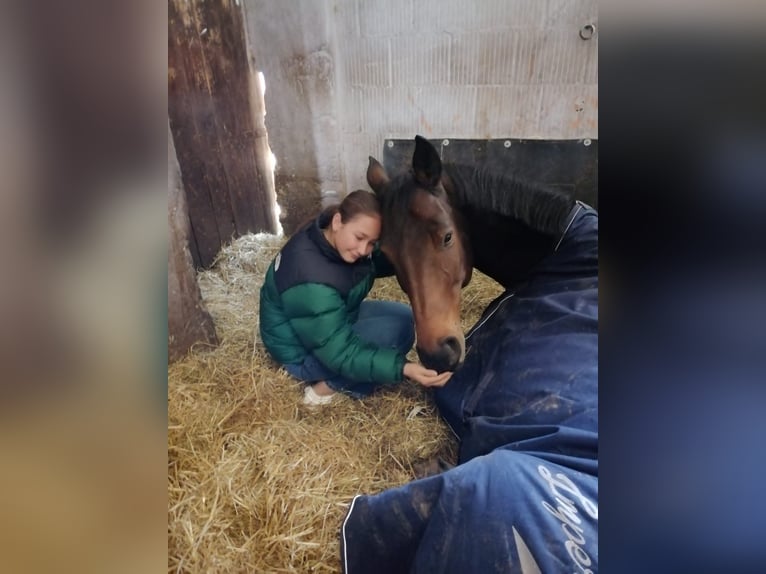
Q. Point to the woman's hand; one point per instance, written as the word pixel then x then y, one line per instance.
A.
pixel 426 377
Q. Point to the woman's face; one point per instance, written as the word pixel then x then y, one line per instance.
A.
pixel 355 238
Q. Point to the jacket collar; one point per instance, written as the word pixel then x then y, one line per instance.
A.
pixel 317 236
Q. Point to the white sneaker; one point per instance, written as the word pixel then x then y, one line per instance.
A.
pixel 310 397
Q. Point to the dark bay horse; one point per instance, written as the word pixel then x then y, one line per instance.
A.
pixel 523 496
pixel 440 221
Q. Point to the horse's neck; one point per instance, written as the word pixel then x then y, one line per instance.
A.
pixel 503 247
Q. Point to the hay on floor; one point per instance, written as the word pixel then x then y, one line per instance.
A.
pixel 258 482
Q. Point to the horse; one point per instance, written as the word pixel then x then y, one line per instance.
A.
pixel 523 398
pixel 441 221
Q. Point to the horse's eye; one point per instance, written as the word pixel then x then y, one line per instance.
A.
pixel 448 238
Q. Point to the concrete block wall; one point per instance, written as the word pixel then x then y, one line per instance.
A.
pixel 344 75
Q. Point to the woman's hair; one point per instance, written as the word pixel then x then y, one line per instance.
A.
pixel 359 202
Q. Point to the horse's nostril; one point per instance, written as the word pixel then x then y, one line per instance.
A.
pixel 453 344
pixel 447 356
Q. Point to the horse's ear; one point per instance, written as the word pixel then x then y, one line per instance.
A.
pixel 376 175
pixel 426 163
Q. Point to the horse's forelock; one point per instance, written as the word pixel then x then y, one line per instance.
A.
pixel 394 202
pixel 397 196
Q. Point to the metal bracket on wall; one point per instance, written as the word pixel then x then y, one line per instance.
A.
pixel 588 31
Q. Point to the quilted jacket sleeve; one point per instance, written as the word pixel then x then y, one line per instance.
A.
pixel 383 267
pixel 318 315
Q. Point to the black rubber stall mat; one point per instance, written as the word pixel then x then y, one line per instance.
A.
pixel 569 164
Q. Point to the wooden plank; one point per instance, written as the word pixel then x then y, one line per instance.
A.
pixel 216 116
pixel 193 124
pixel 189 322
pixel 232 91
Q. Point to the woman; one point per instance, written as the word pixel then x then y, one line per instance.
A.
pixel 313 317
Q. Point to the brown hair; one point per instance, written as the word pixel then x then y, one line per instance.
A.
pixel 358 202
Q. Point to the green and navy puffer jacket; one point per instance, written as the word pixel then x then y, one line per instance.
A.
pixel 309 301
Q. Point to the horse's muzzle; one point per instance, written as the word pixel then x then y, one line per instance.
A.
pixel 448 356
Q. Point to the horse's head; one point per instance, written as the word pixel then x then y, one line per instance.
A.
pixel 422 236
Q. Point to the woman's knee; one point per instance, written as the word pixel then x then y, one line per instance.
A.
pixel 375 309
pixel 387 331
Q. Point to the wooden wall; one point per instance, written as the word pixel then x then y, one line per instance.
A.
pixel 188 320
pixel 216 119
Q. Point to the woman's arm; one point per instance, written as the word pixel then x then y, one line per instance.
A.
pixel 319 317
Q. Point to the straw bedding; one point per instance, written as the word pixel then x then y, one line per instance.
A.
pixel 257 482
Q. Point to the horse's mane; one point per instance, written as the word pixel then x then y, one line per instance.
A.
pixel 539 206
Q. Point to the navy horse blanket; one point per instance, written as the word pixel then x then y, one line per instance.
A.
pixel 524 495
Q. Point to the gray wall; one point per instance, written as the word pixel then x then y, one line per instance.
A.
pixel 343 75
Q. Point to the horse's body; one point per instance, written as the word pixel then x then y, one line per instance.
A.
pixel 523 497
